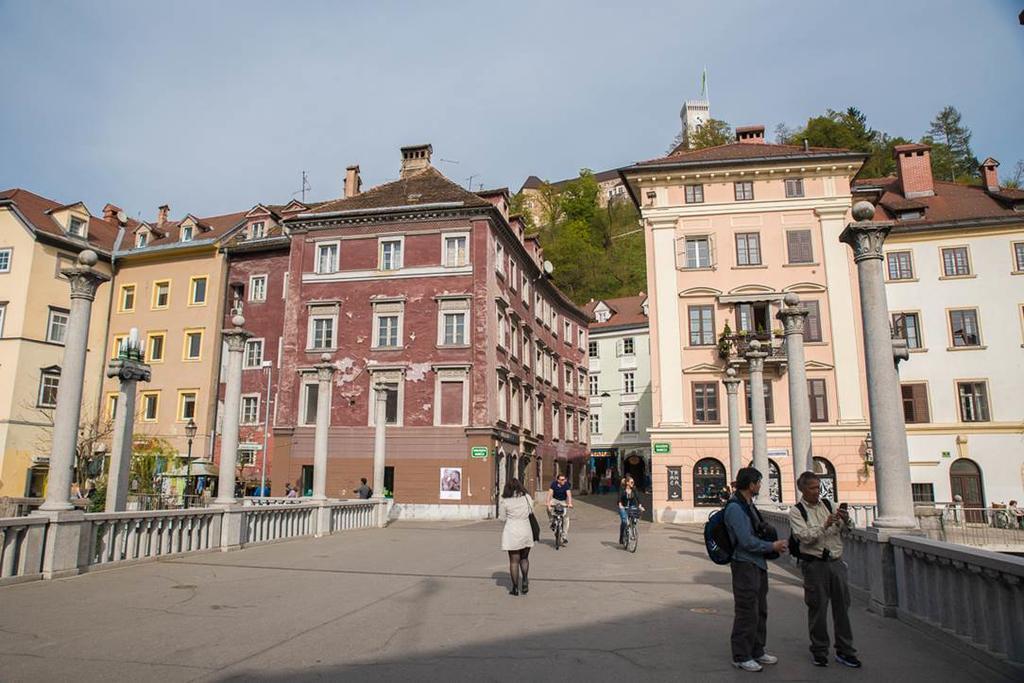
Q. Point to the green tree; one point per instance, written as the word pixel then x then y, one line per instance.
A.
pixel 150 457
pixel 952 157
pixel 710 134
pixel 849 129
pixel 1016 177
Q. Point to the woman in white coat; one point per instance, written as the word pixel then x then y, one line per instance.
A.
pixel 517 536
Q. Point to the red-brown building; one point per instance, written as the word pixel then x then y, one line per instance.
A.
pixel 435 292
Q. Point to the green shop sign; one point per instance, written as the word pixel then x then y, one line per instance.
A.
pixel 661 447
pixel 478 452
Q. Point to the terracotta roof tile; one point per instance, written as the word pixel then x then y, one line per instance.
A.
pixel 36 208
pixel 627 311
pixel 428 186
pixel 952 202
pixel 215 227
pixel 741 151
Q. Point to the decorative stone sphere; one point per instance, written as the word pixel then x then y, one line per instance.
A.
pixel 731 372
pixel 88 258
pixel 755 345
pixel 238 320
pixel 863 211
pixel 325 358
pixel 791 299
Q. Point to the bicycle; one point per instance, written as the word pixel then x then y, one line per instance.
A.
pixel 632 530
pixel 558 525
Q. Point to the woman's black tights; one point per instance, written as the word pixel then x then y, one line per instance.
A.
pixel 519 563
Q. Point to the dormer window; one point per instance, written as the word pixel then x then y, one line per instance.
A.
pixel 186 233
pixel 141 239
pixel 910 215
pixel 602 315
pixel 76 227
pixel 257 230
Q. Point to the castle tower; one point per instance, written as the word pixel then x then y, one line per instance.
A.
pixel 693 115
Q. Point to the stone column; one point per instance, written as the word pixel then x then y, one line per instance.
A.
pixel 380 418
pixel 84 280
pixel 324 374
pixel 793 317
pixel 885 404
pixel 235 338
pixel 755 364
pixel 130 370
pixel 732 385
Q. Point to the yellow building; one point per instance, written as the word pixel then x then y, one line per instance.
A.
pixel 38 238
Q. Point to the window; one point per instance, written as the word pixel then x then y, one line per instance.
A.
pixel 705 402
pixel 150 406
pixel 794 187
pixel 955 262
pixel 694 194
pixel 454 329
pixel 453 324
pixel 193 349
pixel 250 410
pixel 1018 257
pixel 118 343
pixel 798 246
pixel 748 249
pixel 126 302
pixel 499 258
pixel 77 227
pixel 310 395
pixel 111 406
pixel 900 265
pixel 323 332
pixel 257 230
pixel 908 326
pixel 915 403
pixel 964 326
pixel 258 288
pixel 923 493
pixel 155 351
pixel 568 379
pixel 254 353
pixel 769 404
pixel 702 325
pixel 456 250
pixel 452 398
pixel 627 346
pixel 592 351
pixel 3 315
pixel 818 399
pixel 708 481
pixel 186 233
pixel 161 294
pixel 556 423
pixel 57 325
pixel 49 382
pixel 592 383
pixel 391 405
pixel 744 190
pixel 197 291
pixel 629 382
pixel 697 252
pixel 812 326
pixel 141 239
pixel 753 318
pixel 387 332
pixel 595 423
pixel 629 421
pixel 5 259
pixel 502 330
pixel 247 456
pixel 973 401
pixel 327 257
pixel 390 254
pixel 187 405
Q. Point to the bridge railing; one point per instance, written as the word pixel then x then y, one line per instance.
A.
pixel 130 536
pixel 22 540
pixel 268 523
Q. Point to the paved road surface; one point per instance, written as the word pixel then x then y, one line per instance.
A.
pixel 428 601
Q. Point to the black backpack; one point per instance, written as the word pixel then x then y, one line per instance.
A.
pixel 794 543
pixel 718 542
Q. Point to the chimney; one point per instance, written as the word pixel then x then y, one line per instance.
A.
pixel 110 214
pixel 161 216
pixel 750 135
pixel 989 176
pixel 415 158
pixel 914 169
pixel 352 181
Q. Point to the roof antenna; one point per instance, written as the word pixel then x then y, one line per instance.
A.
pixel 470 179
pixel 305 187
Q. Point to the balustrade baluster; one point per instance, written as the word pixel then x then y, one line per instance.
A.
pixel 9 550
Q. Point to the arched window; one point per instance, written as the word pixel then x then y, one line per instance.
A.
pixel 965 481
pixel 708 482
pixel 827 474
pixel 774 482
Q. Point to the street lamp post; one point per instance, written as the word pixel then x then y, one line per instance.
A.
pixel 190 433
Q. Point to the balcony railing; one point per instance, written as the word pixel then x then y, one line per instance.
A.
pixel 732 348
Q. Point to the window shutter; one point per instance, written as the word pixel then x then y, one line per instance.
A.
pixel 711 251
pixel 920 398
pixel 618 347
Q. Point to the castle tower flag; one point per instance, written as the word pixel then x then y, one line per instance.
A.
pixel 695 112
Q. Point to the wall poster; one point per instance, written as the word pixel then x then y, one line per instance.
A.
pixel 451 483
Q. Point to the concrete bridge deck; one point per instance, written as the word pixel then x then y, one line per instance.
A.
pixel 427 601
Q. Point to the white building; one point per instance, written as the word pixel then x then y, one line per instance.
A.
pixel 620 386
pixel 694 114
pixel 955 287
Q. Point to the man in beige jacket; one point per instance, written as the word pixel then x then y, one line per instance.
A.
pixel 819 530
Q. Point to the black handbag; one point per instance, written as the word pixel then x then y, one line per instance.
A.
pixel 535 526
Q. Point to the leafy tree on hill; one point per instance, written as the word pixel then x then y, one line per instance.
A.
pixel 952 157
pixel 712 133
pixel 1016 177
pixel 849 129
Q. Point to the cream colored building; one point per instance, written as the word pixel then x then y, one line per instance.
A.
pixel 729 231
pixel 38 238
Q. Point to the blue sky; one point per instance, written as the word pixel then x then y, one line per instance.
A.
pixel 214 106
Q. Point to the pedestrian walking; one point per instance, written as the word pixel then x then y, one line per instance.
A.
pixel 364 492
pixel 749 535
pixel 819 530
pixel 515 509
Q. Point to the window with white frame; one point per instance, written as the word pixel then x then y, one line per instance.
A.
pixel 258 288
pixel 581 382
pixel 5 259
pixel 3 316
pixel 595 423
pixel 568 378
pixel 76 227
pixel 453 322
pixel 451 396
pixel 322 323
pixel 629 382
pixel 693 252
pixel 539 367
pixel 310 396
pixel 568 331
pixel 327 257
pixel 387 324
pixel 513 337
pixel 247 456
pixel 627 346
pixel 592 379
pixel 514 419
pixel 250 410
pixel 49 383
pixel 186 233
pixel 581 338
pixel 257 230
pixel 973 401
pixel 393 383
pixel 391 253
pixel 502 330
pixel 538 424
pixel 629 421
pixel 141 239
pixel 57 325
pixel 502 400
pixel 456 250
pixel 593 350
pixel 556 422
pixel 499 258
pixel 253 353
pixel 794 187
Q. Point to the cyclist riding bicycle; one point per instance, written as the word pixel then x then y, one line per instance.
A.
pixel 560 493
pixel 629 498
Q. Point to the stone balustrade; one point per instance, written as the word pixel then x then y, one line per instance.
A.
pixel 83 542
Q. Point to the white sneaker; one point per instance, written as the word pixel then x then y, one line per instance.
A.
pixel 749 665
pixel 768 659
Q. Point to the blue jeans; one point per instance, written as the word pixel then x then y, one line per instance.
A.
pixel 623 519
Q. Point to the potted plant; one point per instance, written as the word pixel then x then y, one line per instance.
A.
pixel 725 343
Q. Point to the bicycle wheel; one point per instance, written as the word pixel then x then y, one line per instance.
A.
pixel 558 535
pixel 631 537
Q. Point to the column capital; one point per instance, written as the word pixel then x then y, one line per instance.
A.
pixel 325 368
pixel 85 279
pixel 236 336
pixel 866 237
pixel 755 356
pixel 127 370
pixel 731 381
pixel 792 315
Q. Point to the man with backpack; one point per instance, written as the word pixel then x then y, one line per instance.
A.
pixel 817 543
pixel 750 549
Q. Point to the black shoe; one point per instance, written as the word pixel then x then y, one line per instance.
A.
pixel 848 660
pixel 526 585
pixel 820 660
pixel 514 590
